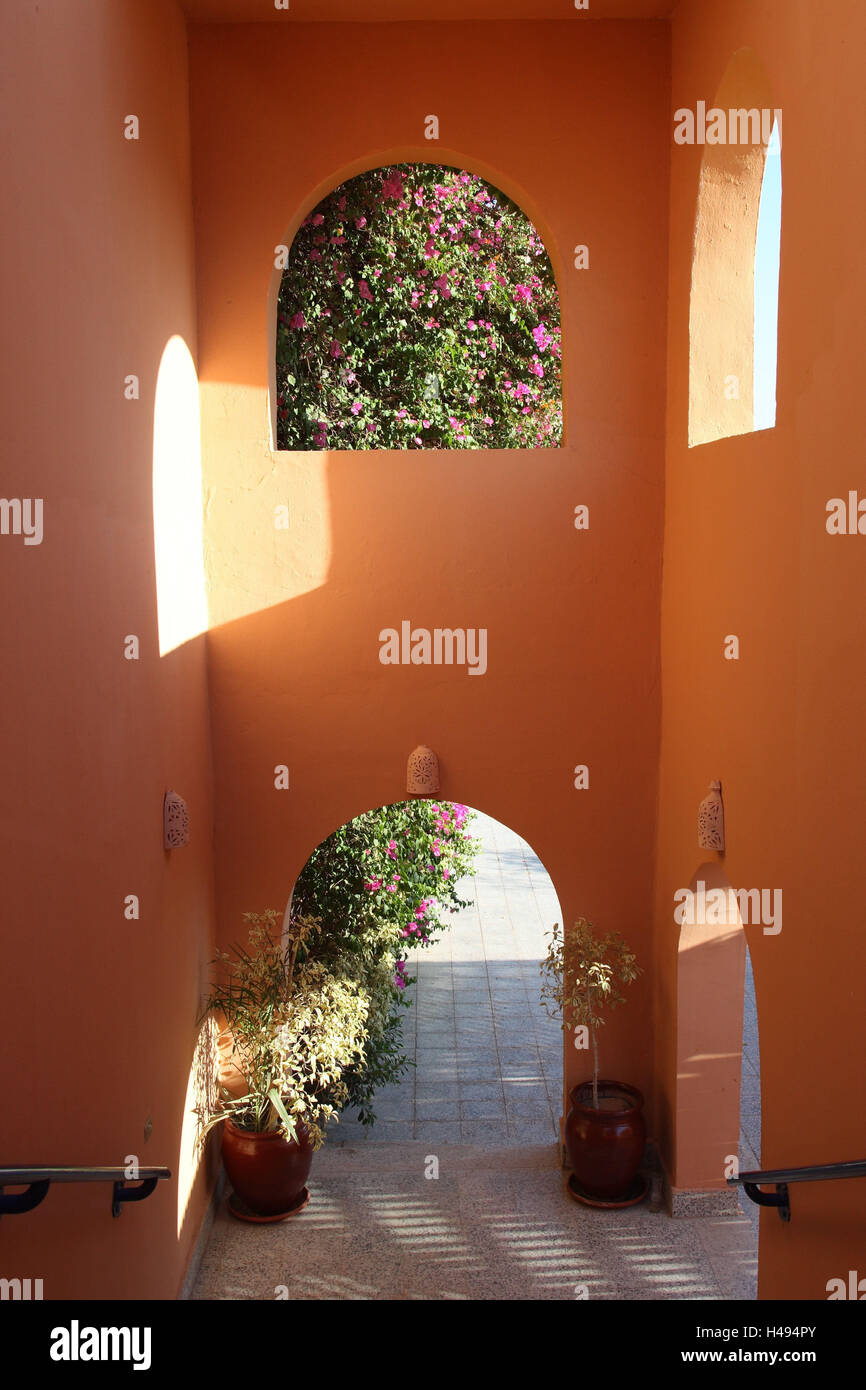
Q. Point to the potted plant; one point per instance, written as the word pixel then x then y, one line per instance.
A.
pixel 605 1131
pixel 290 1025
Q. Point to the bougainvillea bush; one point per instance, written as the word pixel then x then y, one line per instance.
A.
pixel 418 310
pixel 384 885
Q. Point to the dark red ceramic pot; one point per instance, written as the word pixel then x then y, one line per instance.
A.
pixel 267 1172
pixel 605 1147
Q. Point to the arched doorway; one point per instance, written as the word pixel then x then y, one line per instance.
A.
pixel 484 1059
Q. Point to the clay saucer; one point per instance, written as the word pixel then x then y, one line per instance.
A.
pixel 636 1193
pixel 244 1213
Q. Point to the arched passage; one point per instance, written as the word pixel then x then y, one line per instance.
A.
pixel 484 1060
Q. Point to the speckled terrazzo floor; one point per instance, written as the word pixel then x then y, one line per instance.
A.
pixel 484 1100
pixel 496 1224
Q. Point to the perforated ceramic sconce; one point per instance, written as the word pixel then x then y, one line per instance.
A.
pixel 711 819
pixel 175 821
pixel 422 772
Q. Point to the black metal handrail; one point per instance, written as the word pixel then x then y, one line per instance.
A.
pixel 780 1177
pixel 39 1178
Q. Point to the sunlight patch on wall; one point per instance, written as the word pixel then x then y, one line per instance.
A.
pixel 177 500
pixel 267 517
pixel 201 1094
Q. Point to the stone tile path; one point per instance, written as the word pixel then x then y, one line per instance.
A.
pixel 483 1101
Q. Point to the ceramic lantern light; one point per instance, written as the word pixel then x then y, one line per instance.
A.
pixel 175 821
pixel 422 773
pixel 711 819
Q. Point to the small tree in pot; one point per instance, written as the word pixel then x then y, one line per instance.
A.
pixel 604 1130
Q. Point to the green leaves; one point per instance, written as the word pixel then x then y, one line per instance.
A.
pixel 580 975
pixel 277 1102
pixel 411 325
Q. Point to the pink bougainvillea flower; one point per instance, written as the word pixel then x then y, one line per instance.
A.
pixel 542 337
pixel 426 424
pixel 392 186
pixel 297 320
pixel 318 220
pixel 522 294
pixel 335 350
pixel 360 223
pixel 315 255
pixel 488 420
pixel 364 290
pixel 371 426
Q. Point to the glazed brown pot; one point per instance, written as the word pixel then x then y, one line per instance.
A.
pixel 605 1147
pixel 267 1172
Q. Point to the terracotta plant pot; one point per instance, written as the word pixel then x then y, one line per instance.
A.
pixel 267 1172
pixel 605 1147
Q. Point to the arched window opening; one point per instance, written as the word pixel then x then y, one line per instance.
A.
pixel 418 310
pixel 734 308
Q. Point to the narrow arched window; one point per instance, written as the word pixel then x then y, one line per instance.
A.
pixel 734 306
pixel 418 310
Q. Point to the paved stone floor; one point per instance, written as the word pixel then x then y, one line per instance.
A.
pixel 483 1101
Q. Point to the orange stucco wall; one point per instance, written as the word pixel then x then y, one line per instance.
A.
pixel 746 553
pixel 442 539
pixel 98 1011
pixel 114 247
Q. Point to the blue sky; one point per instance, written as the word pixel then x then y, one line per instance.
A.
pixel 767 261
